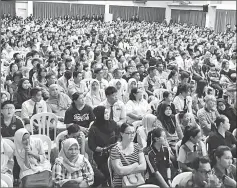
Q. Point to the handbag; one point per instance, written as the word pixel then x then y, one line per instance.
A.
pixel 38 180
pixel 132 180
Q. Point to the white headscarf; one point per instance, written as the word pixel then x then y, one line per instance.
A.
pixel 76 163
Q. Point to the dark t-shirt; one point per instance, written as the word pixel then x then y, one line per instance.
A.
pixel 9 131
pixel 81 117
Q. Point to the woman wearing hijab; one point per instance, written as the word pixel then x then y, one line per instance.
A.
pixel 168 122
pixel 225 109
pixel 121 94
pixel 102 136
pixel 35 168
pixel 22 94
pixel 6 158
pixel 149 122
pixel 132 83
pixel 71 169
pixel 95 96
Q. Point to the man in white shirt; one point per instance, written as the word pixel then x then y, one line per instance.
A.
pixel 33 106
pixel 99 73
pixel 115 107
pixel 117 73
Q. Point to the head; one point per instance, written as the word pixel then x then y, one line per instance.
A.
pixel 24 84
pixel 222 123
pixel 95 85
pixel 70 148
pixel 202 170
pixel 4 97
pixel 22 137
pixel 78 99
pixel 77 76
pixel 99 73
pixel 51 78
pixel 136 75
pixel 173 74
pixel 223 157
pixel 184 90
pixel 160 67
pixel 127 132
pixel 36 94
pixel 192 134
pixel 184 77
pixel 136 94
pixel 73 131
pixel 166 110
pixel 210 101
pixel 8 109
pixel 68 75
pixel 111 94
pixel 117 73
pixel 13 67
pixel 221 104
pixel 132 83
pixel 152 71
pixel 167 96
pixel 53 90
pixel 101 113
pixel 156 136
pixel 17 76
pixel 186 119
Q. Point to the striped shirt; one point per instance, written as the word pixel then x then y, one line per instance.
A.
pixel 60 173
pixel 132 158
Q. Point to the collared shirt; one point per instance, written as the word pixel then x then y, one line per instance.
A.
pixel 93 100
pixel 152 83
pixel 103 83
pixel 62 81
pixel 157 160
pixel 28 107
pixel 139 108
pixel 179 102
pixel 9 131
pixel 119 111
pixel 186 152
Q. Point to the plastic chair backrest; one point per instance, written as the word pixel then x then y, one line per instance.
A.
pixel 234 132
pixel 44 120
pixel 7 179
pixel 60 135
pixel 18 112
pixel 206 143
pixel 159 93
pixel 9 142
pixel 179 177
pixel 45 139
pixel 148 185
pixel 110 171
pixel 177 147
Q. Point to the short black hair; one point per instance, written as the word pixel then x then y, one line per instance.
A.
pixel 74 128
pixel 110 90
pixel 197 161
pixel 34 91
pixel 6 102
pixel 76 95
pixel 75 74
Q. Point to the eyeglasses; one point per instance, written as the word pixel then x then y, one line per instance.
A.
pixel 130 133
pixel 9 108
pixel 205 172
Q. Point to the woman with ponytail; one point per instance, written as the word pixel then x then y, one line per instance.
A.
pixel 191 148
pixel 223 167
pixel 157 156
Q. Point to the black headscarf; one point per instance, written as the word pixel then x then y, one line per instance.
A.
pixel 105 126
pixel 168 122
pixel 25 93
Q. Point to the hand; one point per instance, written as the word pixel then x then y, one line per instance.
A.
pixel 139 117
pixel 229 181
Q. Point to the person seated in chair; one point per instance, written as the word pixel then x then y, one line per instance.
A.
pixel 71 169
pixel 31 158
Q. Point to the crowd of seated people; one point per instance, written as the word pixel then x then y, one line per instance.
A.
pixel 135 102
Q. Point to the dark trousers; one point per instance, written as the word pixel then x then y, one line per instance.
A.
pixel 219 88
pixel 16 169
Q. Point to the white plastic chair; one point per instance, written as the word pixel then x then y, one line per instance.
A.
pixel 9 142
pixel 18 112
pixel 44 120
pixel 60 136
pixel 46 143
pixel 177 147
pixel 158 93
pixel 234 132
pixel 148 185
pixel 7 180
pixel 179 177
pixel 110 171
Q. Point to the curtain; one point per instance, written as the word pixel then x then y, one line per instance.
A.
pixel 175 15
pixel 50 10
pixel 124 12
pixel 189 17
pixel 151 14
pixel 7 7
pixel 224 17
pixel 84 9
